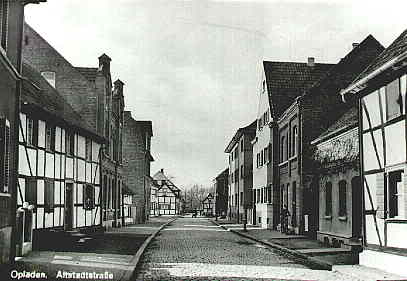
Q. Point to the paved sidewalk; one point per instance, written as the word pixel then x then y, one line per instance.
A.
pixel 113 256
pixel 314 253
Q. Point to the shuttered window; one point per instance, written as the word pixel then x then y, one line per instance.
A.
pixel 5 150
pixel 49 196
pixel 31 191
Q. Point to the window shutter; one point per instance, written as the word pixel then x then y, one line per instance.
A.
pixel 5 148
pixel 379 195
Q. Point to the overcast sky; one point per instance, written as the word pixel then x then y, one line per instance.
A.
pixel 193 67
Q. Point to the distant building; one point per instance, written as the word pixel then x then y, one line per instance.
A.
pixel 165 196
pixel 380 90
pixel 221 188
pixel 89 90
pixel 240 152
pixel 136 165
pixel 208 204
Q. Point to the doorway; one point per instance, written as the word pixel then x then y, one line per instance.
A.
pixel 68 219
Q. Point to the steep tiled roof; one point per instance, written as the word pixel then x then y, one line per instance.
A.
pixel 250 129
pixel 160 176
pixel 288 80
pixel 347 121
pixel 48 100
pixel 349 67
pixel 395 49
pixel 88 72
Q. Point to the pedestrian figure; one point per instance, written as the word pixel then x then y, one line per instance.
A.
pixel 285 213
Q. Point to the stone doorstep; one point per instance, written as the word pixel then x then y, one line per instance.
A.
pixel 324 251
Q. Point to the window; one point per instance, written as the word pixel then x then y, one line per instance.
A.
pixel 241 146
pixel 88 149
pixel 32 132
pixel 261 195
pixel 49 76
pixel 50 137
pixel 5 148
pixel 231 154
pixel 241 172
pixel 31 191
pixel 236 152
pixel 266 155
pixel 282 149
pixel 328 199
pixel 241 198
pixel 261 158
pixel 258 195
pixel 49 196
pixel 396 197
pixel 294 204
pixel 342 198
pixel 88 197
pixel 294 141
pixel 259 219
pixel 394 100
pixel 4 11
pixel 70 143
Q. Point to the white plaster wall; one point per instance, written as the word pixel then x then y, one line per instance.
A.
pixel 387 262
pixel 396 235
pixel 22 188
pixel 69 168
pixel 23 120
pixel 49 165
pixel 58 136
pixel 89 172
pixel 23 167
pixel 95 151
pixel 63 141
pixel 81 146
pixel 40 191
pixel 41 133
pixel 41 161
pixel 57 166
pixel 81 170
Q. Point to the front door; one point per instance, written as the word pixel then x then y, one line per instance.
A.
pixel 68 219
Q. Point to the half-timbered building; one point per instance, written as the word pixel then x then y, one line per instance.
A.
pixel 91 92
pixel 165 196
pixel 381 92
pixel 208 205
pixel 59 162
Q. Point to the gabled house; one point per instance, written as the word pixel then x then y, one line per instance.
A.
pixel 282 83
pixel 11 29
pixel 240 152
pixel 91 93
pixel 221 188
pixel 380 91
pixel 59 165
pixel 208 204
pixel 136 165
pixel 308 116
pixel 165 196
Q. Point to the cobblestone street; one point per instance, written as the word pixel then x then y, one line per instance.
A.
pixel 195 249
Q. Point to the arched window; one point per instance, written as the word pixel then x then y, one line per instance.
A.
pixel 342 198
pixel 294 141
pixel 282 149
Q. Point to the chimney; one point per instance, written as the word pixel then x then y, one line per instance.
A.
pixel 311 61
pixel 162 171
pixel 354 45
pixel 104 63
pixel 118 87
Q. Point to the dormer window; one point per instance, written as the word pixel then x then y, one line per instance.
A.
pixel 49 76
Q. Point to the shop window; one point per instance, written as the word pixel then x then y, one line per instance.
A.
pixel 88 197
pixel 49 196
pixel 328 199
pixel 342 199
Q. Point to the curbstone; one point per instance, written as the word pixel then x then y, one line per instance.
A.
pixel 307 260
pixel 130 274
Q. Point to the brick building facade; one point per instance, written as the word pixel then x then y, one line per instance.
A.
pixel 136 164
pixel 220 186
